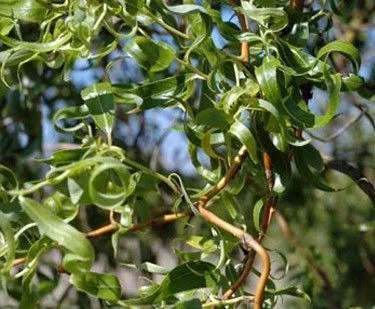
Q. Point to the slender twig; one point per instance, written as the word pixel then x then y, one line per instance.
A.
pixel 169 28
pixel 107 229
pixel 19 261
pixel 293 239
pixel 113 227
pixel 235 166
pixel 269 209
pixel 344 167
pixel 245 56
pixel 192 68
pixel 362 107
pixel 168 218
pixel 268 170
pixel 311 262
pixel 248 241
pixel 228 302
pixel 59 303
pixel 338 132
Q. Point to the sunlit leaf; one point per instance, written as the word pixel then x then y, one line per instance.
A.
pixel 81 254
pixel 98 98
pixel 344 48
pixel 109 184
pixel 273 18
pixel 150 55
pixel 185 277
pixel 244 135
pixel 29 10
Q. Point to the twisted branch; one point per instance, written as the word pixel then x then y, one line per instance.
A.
pixel 248 241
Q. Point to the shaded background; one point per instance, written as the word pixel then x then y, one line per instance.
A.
pixel 328 239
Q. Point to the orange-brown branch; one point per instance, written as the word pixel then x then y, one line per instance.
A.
pixel 112 227
pixel 248 241
pixel 19 261
pixel 250 244
pixel 266 218
pixel 298 4
pixel 236 164
pixel 245 56
pixel 269 209
pixel 267 162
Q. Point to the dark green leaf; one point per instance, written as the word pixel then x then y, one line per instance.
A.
pixel 304 170
pixel 257 212
pixel 66 156
pixel 266 75
pixel 214 118
pixel 157 93
pixel 103 286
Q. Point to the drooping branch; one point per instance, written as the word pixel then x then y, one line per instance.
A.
pixel 338 132
pixel 355 174
pixel 311 262
pixel 113 227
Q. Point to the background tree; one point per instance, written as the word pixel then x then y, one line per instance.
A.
pixel 187 139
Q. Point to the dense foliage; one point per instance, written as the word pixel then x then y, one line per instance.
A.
pixel 241 79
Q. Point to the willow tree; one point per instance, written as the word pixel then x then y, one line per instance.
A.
pixel 243 84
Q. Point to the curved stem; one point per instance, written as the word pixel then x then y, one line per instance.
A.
pixel 269 209
pixel 114 226
pixel 191 68
pixel 169 28
pixel 228 302
pixel 249 243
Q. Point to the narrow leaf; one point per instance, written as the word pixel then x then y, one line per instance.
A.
pixel 244 135
pixel 81 254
